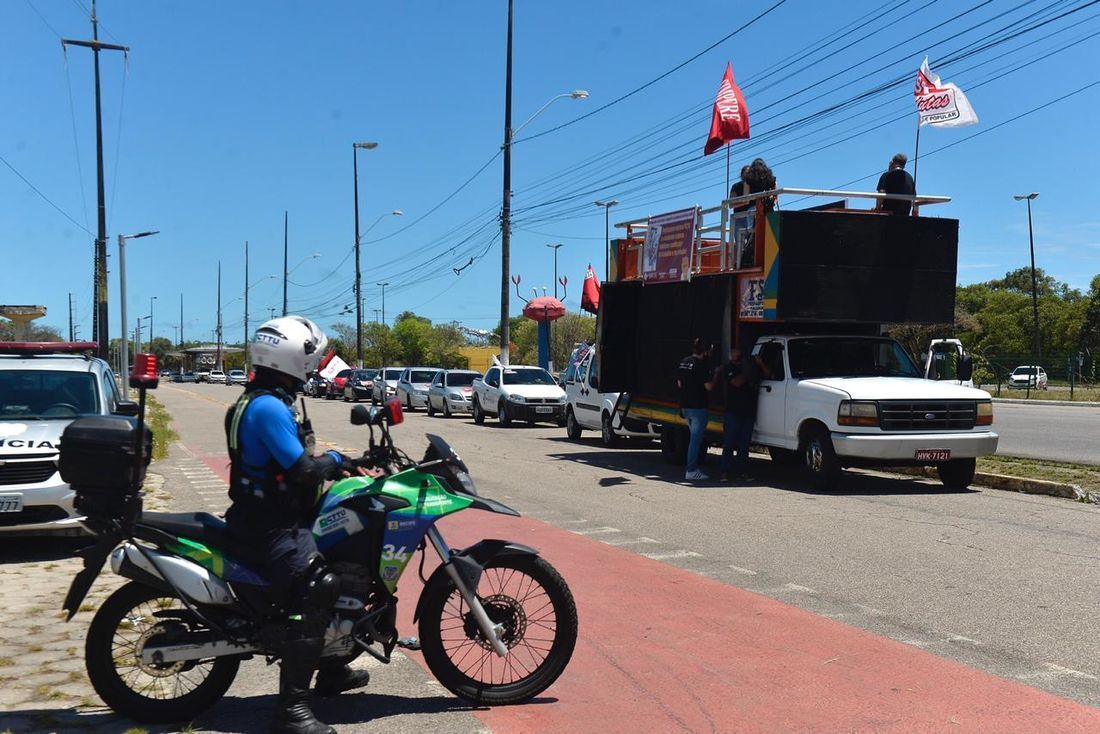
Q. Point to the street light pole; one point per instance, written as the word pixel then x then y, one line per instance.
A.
pixel 555 247
pixel 607 236
pixel 286 217
pixel 245 363
pixel 382 352
pixel 1036 346
pixel 151 299
pixel 355 147
pixel 124 362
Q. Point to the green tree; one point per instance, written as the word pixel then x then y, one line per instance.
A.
pixel 412 333
pixel 35 332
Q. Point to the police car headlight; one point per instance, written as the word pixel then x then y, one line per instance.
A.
pixel 517 398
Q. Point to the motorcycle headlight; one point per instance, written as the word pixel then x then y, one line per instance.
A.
pixel 517 398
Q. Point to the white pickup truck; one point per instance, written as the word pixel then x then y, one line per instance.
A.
pixel 830 402
pixel 518 392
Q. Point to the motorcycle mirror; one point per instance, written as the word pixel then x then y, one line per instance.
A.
pixel 394 412
pixel 360 415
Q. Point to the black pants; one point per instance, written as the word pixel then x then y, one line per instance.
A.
pixel 287 548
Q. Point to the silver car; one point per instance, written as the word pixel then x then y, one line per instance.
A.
pixel 452 392
pixel 412 386
pixel 385 385
pixel 42 390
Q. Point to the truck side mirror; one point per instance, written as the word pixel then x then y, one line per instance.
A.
pixel 966 367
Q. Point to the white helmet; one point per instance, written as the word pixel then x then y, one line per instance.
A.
pixel 292 345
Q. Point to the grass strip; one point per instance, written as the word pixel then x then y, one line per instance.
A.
pixel 1085 476
pixel 160 423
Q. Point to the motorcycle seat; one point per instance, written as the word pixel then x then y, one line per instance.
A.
pixel 204 527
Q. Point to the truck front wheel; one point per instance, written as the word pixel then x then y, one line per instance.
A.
pixel 674 445
pixel 957 473
pixel 819 458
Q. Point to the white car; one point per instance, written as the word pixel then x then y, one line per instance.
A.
pixel 217 377
pixel 43 388
pixel 412 386
pixel 518 392
pixel 237 377
pixel 452 392
pixel 587 408
pixel 385 385
pixel 1028 376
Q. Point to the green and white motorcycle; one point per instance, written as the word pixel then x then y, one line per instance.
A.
pixel 497 624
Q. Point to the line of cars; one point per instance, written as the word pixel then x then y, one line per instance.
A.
pixel 515 393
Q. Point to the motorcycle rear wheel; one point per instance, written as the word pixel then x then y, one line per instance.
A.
pixel 531 600
pixel 151 694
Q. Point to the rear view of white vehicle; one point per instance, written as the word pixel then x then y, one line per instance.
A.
pixel 587 408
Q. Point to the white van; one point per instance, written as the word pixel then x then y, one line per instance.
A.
pixel 586 408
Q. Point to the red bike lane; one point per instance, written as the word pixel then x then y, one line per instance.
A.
pixel 663 649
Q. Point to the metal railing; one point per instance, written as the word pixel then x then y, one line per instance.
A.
pixel 734 234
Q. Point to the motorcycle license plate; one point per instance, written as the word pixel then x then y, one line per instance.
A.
pixel 11 503
pixel 544 409
pixel 933 455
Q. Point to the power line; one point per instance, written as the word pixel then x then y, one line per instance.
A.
pixel 45 198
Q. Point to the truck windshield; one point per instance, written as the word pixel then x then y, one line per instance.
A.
pixel 528 376
pixel 849 357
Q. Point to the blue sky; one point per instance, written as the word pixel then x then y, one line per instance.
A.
pixel 227 114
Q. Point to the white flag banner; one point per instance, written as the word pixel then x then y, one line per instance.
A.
pixel 334 366
pixel 941 104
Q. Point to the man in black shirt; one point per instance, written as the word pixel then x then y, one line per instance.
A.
pixel 693 378
pixel 896 180
pixel 741 379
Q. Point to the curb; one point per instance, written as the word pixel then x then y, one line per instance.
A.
pixel 1023 401
pixel 1013 484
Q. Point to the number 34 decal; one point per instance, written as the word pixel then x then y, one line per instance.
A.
pixel 392 553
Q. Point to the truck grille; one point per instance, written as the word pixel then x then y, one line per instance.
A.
pixel 925 415
pixel 542 401
pixel 26 472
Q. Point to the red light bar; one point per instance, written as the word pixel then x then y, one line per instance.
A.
pixel 47 347
pixel 144 372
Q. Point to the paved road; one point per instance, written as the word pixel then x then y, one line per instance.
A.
pixel 1059 432
pixel 890 605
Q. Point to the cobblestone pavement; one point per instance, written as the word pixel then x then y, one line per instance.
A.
pixel 43 683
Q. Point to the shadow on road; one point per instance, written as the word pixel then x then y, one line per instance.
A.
pixel 251 715
pixel 30 550
pixel 650 465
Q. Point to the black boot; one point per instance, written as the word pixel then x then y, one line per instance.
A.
pixel 333 679
pixel 292 713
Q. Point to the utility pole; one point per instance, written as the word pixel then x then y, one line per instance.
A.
pixel 181 320
pixel 506 206
pixel 218 361
pixel 383 301
pixel 375 315
pixel 99 323
pixel 1036 345
pixel 286 216
pixel 246 305
pixel 71 338
pixel 355 147
pixel 607 236
pixel 151 299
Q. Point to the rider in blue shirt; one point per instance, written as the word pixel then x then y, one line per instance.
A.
pixel 275 484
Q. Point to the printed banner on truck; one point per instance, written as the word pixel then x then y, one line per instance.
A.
pixel 666 254
pixel 750 302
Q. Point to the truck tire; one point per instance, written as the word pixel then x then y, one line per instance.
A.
pixel 674 445
pixel 572 428
pixel 957 473
pixel 822 467
pixel 783 457
pixel 479 414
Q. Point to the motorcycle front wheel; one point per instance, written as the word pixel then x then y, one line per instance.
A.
pixel 533 603
pixel 132 617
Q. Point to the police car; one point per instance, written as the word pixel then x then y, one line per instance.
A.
pixel 44 386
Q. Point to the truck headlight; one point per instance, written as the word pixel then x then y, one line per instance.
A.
pixel 516 398
pixel 857 413
pixel 561 398
pixel 985 413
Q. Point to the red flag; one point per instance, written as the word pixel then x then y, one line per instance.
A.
pixel 730 120
pixel 326 359
pixel 590 293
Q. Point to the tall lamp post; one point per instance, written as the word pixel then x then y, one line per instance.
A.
pixel 1036 347
pixel 555 247
pixel 151 300
pixel 607 236
pixel 355 148
pixel 125 364
pixel 506 206
pixel 383 352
